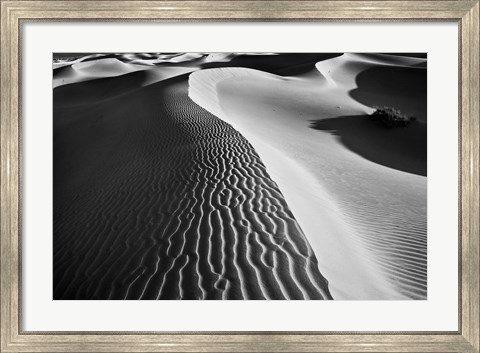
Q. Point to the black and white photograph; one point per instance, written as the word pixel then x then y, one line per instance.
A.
pixel 239 176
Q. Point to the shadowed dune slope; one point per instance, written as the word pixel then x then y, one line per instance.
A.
pixel 404 88
pixel 155 198
pixel 377 80
pixel 284 64
pixel 410 55
pixel 96 90
pixel 403 149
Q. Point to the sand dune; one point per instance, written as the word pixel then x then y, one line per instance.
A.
pixel 100 89
pixel 104 67
pixel 361 204
pixel 88 70
pixel 264 178
pixel 78 68
pixel 155 198
pixel 112 67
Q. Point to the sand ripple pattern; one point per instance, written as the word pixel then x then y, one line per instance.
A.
pixel 177 205
pixel 397 239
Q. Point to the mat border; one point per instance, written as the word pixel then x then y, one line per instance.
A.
pixel 14 13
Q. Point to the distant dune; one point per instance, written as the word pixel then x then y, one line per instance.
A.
pixel 103 68
pixel 238 176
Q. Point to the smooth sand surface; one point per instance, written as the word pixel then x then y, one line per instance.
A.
pixel 156 198
pixel 357 190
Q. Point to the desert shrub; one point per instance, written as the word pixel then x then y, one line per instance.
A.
pixel 390 118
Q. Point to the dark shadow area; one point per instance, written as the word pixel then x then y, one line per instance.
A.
pixel 62 70
pixel 69 56
pixel 409 55
pixel 283 64
pixel 85 133
pixel 402 88
pixel 98 89
pixel 403 148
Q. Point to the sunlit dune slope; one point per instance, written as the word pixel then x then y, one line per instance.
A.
pixel 358 190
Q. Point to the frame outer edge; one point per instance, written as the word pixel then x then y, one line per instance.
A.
pixel 7 194
pixel 11 167
pixel 12 341
pixel 3 238
pixel 10 172
pixel 254 10
pixel 470 177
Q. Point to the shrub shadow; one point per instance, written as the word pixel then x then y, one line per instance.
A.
pixel 403 148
